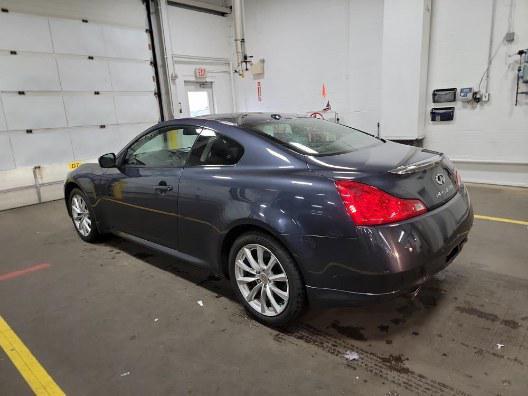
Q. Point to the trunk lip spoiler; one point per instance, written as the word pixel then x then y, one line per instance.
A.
pixel 417 166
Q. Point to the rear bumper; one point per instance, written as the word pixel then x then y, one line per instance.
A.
pixel 386 261
pixel 401 283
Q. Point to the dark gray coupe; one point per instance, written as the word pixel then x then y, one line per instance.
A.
pixel 292 209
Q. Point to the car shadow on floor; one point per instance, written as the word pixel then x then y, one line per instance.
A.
pixel 199 276
pixel 379 321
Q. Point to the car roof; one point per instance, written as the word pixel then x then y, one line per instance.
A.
pixel 239 119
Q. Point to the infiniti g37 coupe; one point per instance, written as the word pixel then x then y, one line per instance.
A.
pixel 293 210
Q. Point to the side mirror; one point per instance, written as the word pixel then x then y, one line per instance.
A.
pixel 107 160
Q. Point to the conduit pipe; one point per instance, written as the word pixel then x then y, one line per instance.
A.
pixel 240 44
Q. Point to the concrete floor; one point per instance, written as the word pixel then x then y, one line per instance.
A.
pixel 114 318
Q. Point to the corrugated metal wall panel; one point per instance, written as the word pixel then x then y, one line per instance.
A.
pixel 28 73
pixel 82 74
pixel 101 107
pixel 3 125
pixel 136 108
pixel 33 112
pixel 128 76
pixel 89 143
pixel 76 37
pixel 119 12
pixel 6 156
pixel 24 33
pixel 126 43
pixel 42 148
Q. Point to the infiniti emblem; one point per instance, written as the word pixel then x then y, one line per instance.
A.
pixel 440 178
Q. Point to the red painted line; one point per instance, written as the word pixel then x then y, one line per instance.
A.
pixel 16 274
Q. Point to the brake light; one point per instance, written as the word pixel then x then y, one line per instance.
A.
pixel 368 205
pixel 458 179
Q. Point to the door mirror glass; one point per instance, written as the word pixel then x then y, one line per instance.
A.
pixel 107 160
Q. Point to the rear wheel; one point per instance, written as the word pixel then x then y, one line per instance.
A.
pixel 266 279
pixel 82 216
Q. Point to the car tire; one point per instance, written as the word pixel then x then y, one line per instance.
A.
pixel 82 216
pixel 284 279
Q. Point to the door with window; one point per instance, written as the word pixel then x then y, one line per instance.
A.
pixel 199 98
pixel 205 185
pixel 143 196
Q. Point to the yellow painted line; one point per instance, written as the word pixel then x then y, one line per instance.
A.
pixel 35 375
pixel 501 220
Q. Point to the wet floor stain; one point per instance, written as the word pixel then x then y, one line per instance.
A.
pixel 396 363
pixel 512 324
pixel 491 317
pixel 391 369
pixel 355 333
pixel 478 313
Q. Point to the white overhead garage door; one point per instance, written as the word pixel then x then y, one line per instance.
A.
pixel 210 46
pixel 76 81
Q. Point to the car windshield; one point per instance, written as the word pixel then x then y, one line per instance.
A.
pixel 312 136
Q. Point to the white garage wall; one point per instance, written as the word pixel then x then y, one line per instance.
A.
pixel 60 63
pixel 491 133
pixel 308 43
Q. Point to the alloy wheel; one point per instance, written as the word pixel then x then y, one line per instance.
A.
pixel 261 279
pixel 81 215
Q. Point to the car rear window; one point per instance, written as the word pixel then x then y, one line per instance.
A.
pixel 312 136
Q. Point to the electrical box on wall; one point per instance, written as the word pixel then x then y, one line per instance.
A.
pixel 257 69
pixel 465 94
pixel 444 95
pixel 442 113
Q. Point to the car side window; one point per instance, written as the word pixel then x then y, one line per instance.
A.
pixel 212 148
pixel 166 147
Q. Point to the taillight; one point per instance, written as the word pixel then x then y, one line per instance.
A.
pixel 458 179
pixel 368 205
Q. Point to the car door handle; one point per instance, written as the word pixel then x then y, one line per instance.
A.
pixel 163 188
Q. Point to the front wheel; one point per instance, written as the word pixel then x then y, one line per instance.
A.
pixel 82 216
pixel 266 279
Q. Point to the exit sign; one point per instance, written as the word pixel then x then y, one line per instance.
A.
pixel 200 73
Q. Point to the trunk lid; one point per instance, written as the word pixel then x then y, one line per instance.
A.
pixel 403 171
